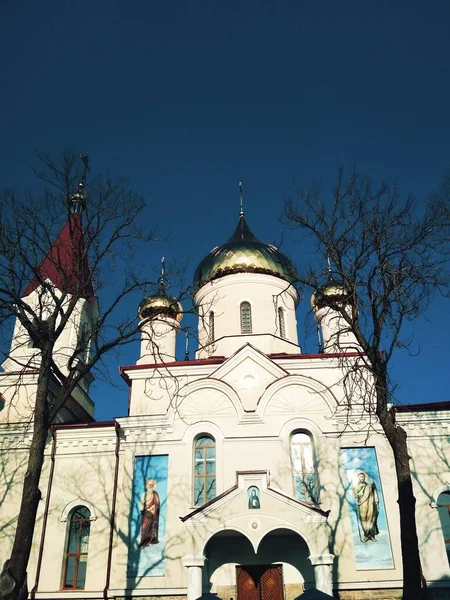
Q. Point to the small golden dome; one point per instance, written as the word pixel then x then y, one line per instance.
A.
pixel 160 304
pixel 333 291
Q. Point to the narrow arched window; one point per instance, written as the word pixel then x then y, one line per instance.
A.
pixel 204 469
pixel 77 549
pixel 303 467
pixel 443 506
pixel 211 327
pixel 281 325
pixel 246 317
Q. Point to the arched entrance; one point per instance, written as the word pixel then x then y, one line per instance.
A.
pixel 278 570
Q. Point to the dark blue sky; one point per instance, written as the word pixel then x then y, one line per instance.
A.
pixel 186 98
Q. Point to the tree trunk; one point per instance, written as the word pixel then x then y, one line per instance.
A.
pixel 31 493
pixel 396 435
pixel 412 589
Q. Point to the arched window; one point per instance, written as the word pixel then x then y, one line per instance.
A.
pixel 204 469
pixel 443 506
pixel 303 468
pixel 211 327
pixel 246 317
pixel 75 563
pixel 281 325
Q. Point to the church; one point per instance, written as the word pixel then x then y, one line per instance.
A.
pixel 246 473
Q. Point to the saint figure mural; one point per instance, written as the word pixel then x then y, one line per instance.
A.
pixel 253 498
pixel 149 506
pixel 367 502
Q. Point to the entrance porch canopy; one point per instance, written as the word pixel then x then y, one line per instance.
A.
pixel 230 511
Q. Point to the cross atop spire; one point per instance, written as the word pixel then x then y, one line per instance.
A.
pixel 162 278
pixel 241 198
pixel 78 200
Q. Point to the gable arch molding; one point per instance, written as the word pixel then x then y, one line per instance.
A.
pixel 203 427
pixel 73 504
pixel 298 423
pixel 437 492
pixel 303 381
pixel 201 385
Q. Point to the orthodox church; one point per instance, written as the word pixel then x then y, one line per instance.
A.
pixel 246 473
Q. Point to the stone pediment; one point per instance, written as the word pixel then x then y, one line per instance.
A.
pixel 267 495
pixel 249 372
pixel 236 509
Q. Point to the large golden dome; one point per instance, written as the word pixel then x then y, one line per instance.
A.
pixel 244 253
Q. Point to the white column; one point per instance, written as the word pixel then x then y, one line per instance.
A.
pixel 336 335
pixel 158 340
pixel 323 564
pixel 194 564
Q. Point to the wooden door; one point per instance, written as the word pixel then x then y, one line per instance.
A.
pixel 259 582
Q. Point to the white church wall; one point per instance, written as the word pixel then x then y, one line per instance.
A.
pixel 429 447
pixel 22 353
pixel 14 444
pixel 84 469
pixel 19 399
pixel 19 379
pixel 83 475
pixel 251 406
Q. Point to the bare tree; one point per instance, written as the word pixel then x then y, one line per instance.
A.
pixel 51 283
pixel 381 261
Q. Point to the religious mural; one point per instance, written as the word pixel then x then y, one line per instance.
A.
pixel 371 542
pixel 148 517
pixel 253 497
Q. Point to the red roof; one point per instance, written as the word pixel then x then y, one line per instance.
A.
pixel 66 264
pixel 423 407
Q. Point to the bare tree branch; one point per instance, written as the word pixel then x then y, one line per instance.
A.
pixel 387 259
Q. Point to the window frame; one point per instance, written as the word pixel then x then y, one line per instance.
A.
pixel 281 322
pixel 204 475
pixel 245 314
pixel 211 327
pixel 310 498
pixel 85 520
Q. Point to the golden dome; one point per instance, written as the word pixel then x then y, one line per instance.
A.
pixel 244 253
pixel 160 304
pixel 333 291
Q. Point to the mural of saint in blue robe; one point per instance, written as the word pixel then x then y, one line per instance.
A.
pixel 147 544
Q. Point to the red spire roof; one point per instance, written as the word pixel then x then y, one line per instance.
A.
pixel 65 266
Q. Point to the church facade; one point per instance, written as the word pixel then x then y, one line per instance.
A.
pixel 249 472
